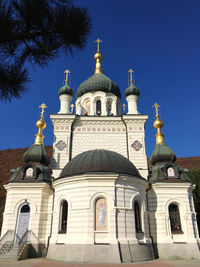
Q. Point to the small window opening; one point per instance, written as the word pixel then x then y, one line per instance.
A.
pixel 174 217
pixel 63 217
pixel 138 226
pixel 25 209
pixel 98 107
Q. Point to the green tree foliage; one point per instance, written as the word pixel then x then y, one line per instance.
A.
pixel 195 179
pixel 35 31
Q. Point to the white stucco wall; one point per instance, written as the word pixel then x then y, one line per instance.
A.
pixel 40 199
pixel 115 133
pixel 82 191
pixel 160 196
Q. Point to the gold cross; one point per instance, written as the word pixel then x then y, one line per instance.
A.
pixel 131 75
pixel 156 106
pixel 67 75
pixel 72 107
pixel 43 106
pixel 98 41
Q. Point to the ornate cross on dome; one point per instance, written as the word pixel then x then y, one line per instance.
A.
pixel 43 106
pixel 156 106
pixel 67 72
pixel 98 41
pixel 131 75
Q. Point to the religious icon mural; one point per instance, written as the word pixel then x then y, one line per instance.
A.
pixel 29 172
pixel 101 215
pixel 87 107
pixel 170 171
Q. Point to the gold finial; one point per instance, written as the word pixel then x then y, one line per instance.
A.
pixel 98 58
pixel 67 72
pixel 41 125
pixel 124 107
pixel 98 41
pixel 72 108
pixel 131 75
pixel 158 124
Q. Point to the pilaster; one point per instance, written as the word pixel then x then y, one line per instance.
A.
pixel 135 125
pixel 62 126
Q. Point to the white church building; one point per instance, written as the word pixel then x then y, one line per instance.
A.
pixel 99 201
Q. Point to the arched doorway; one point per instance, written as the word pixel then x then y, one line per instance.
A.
pixel 22 223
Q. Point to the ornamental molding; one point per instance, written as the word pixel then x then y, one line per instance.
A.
pixel 62 118
pixel 135 117
pixel 142 121
pixel 135 128
pixel 100 129
pixel 61 121
pixel 61 127
pixel 100 118
pixel 97 122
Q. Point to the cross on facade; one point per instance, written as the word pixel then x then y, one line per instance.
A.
pixel 156 106
pixel 67 72
pixel 131 75
pixel 43 106
pixel 98 41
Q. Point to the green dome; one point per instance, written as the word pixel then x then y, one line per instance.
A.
pixel 98 82
pixel 132 90
pixel 36 153
pixel 65 90
pixel 99 160
pixel 162 153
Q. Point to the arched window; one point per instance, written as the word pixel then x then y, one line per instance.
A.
pixel 98 107
pixel 25 208
pixel 174 218
pixel 109 107
pixel 63 217
pixel 101 215
pixel 138 226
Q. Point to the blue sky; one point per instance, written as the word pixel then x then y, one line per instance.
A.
pixel 160 40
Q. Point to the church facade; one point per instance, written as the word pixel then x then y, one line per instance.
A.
pixel 99 201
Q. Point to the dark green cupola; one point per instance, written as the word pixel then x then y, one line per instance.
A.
pixel 66 90
pixel 132 89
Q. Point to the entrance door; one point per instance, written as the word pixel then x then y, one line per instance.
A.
pixel 23 223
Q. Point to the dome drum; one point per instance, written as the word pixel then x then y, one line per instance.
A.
pixel 98 103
